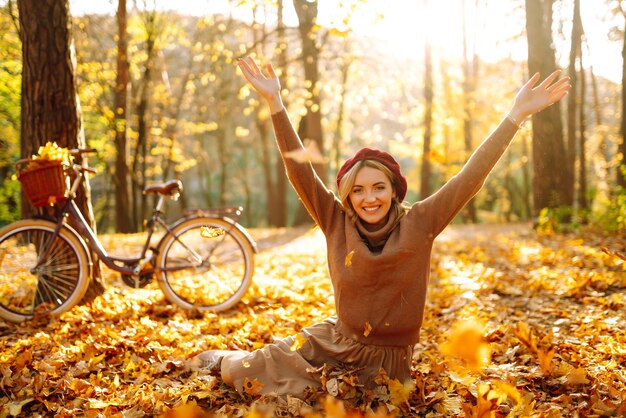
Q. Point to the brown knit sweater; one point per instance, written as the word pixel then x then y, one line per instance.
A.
pixel 380 295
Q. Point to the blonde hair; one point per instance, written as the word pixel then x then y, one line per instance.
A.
pixel 347 183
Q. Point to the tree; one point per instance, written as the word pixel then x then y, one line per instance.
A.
pixel 279 214
pixel 574 101
pixel 550 173
pixel 621 168
pixel 120 179
pixel 50 106
pixel 310 127
pixel 10 84
pixel 470 75
pixel 425 174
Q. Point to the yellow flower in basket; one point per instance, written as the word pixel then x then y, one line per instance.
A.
pixel 50 153
pixel 43 176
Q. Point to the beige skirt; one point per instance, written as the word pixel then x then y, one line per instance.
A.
pixel 284 371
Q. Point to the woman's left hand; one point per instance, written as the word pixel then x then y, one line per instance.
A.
pixel 531 99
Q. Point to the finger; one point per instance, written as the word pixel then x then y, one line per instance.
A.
pixel 549 79
pixel 245 68
pixel 560 83
pixel 559 94
pixel 270 70
pixel 255 68
pixel 532 81
pixel 556 98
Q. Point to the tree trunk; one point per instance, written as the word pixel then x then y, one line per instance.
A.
pixel 50 105
pixel 279 218
pixel 573 99
pixel 138 175
pixel 549 158
pixel 259 36
pixel 310 127
pixel 338 136
pixel 469 87
pixel 425 175
pixel 120 179
pixel 582 163
pixel 621 168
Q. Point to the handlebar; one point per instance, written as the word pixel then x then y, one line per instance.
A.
pixel 80 151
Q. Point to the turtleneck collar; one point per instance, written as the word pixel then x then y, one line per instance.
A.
pixel 376 237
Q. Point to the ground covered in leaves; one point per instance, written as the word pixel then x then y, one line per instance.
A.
pixel 517 324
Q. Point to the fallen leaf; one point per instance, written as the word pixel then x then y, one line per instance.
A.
pixel 252 387
pixel 210 232
pixel 298 342
pixel 577 377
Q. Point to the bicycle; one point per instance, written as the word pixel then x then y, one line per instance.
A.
pixel 45 264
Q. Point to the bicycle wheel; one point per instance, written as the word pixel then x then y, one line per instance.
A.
pixel 205 273
pixel 56 285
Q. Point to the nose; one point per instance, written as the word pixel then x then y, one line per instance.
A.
pixel 369 196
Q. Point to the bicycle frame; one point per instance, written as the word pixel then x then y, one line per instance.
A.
pixel 132 266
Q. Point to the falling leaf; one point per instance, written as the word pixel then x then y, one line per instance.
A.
pixel 466 342
pixel 309 154
pixel 348 261
pixel 210 232
pixel 334 408
pixel 367 329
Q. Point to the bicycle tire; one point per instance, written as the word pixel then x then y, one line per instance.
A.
pixel 220 280
pixel 56 286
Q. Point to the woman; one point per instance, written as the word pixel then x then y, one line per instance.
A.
pixel 378 251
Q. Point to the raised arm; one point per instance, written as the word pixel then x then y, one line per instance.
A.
pixel 317 198
pixel 447 202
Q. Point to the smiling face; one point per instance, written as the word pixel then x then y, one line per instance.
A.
pixel 371 195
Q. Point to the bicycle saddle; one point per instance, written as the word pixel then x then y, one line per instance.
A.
pixel 170 187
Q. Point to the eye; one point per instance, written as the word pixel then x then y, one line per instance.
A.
pixel 357 190
pixel 381 187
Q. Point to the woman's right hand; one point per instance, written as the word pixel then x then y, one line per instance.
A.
pixel 267 87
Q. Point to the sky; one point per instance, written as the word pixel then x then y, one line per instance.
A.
pixel 404 25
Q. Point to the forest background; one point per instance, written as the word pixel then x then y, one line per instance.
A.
pixel 428 90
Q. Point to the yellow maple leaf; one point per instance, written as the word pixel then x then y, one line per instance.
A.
pixel 399 393
pixel 252 387
pixel 577 377
pixel 367 329
pixel 545 359
pixel 348 261
pixel 466 343
pixel 502 390
pixel 298 342
pixel 210 232
pixel 525 335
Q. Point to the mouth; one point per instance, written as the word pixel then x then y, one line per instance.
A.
pixel 370 209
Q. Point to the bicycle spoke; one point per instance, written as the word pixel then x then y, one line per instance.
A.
pixel 55 294
pixel 65 279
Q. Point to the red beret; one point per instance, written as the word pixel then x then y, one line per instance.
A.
pixel 382 157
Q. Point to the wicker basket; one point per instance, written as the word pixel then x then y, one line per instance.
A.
pixel 45 184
